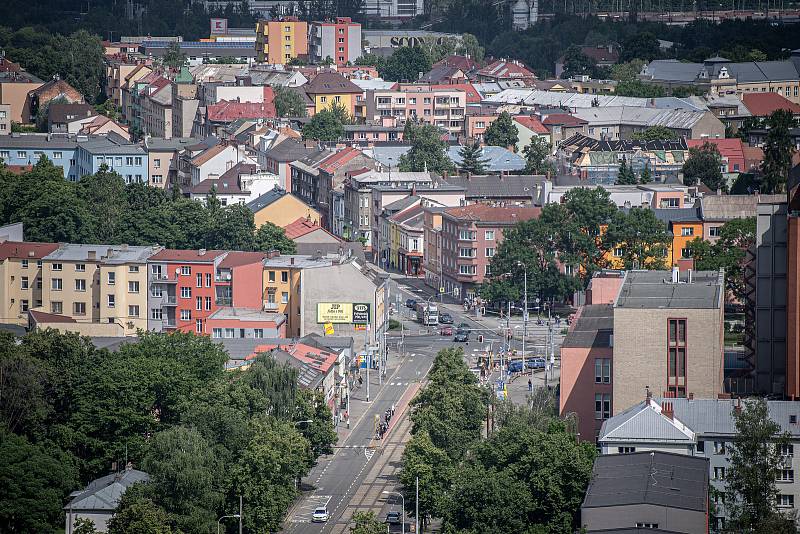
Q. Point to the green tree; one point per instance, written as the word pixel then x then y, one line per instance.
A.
pixel 625 176
pixel 729 252
pixel 643 238
pixel 627 71
pixel 778 151
pixel 269 236
pixel 471 160
pixel 424 461
pixel 655 133
pixel 638 88
pixel 755 461
pixel 321 435
pixel 704 166
pixel 642 45
pixel 502 132
pixel 138 515
pixel 406 64
pixel 288 102
pixel 428 150
pixel 174 56
pixel 324 126
pixel 536 154
pixel 576 63
pixel 366 523
pixel 84 526
pixel 646 175
pixel 470 46
pixel 372 60
pixel 109 109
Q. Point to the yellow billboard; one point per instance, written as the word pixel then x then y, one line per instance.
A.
pixel 334 312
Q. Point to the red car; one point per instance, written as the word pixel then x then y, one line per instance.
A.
pixel 446 331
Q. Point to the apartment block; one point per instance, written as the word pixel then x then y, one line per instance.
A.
pixel 21 278
pixel 339 40
pixel 444 108
pixel 26 149
pixel 127 159
pixel 278 41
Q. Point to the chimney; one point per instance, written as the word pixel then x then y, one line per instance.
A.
pixel 738 406
pixel 667 410
pixel 647 395
pixel 291 260
pixel 676 273
pixel 201 252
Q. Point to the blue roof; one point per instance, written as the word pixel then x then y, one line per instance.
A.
pixel 498 159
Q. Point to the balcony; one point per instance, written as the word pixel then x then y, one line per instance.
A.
pixel 168 323
pixel 224 301
pixel 165 279
pixel 223 277
pixel 169 300
pixel 270 306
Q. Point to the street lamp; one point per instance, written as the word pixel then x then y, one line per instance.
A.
pixel 403 512
pixel 219 521
pixel 525 313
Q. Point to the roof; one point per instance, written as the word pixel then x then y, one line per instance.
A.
pixel 105 492
pixel 227 184
pixel 532 123
pixel 237 258
pixel 175 144
pixel 247 314
pixel 208 154
pixel 727 207
pixel 330 83
pixel 108 254
pixel 266 199
pixel 462 62
pixel 63 113
pixel 55 88
pixel 656 478
pixel 228 110
pixel 298 261
pixel 646 420
pixel 111 144
pixel 669 118
pixel 593 328
pixel 289 150
pixel 728 148
pixel 485 214
pixel 336 160
pixel 677 215
pixel 303 226
pixel 473 97
pixel 491 186
pixel 401 204
pixel 39 140
pixel 26 249
pixel 563 119
pixel 496 158
pixel 764 104
pixel 439 73
pixel 601 54
pixel 654 289
pixel 186 256
pixel 43 317
pixel 505 69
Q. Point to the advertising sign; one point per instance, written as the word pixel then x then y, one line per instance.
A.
pixel 219 26
pixel 334 312
pixel 361 313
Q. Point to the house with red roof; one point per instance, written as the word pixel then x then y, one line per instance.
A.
pixel 731 150
pixel 21 278
pixel 307 230
pixel 563 126
pixel 765 104
pixel 224 112
pixel 442 105
pixel 465 63
pixel 528 128
pixel 505 70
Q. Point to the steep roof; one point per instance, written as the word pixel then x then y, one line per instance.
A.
pixel 473 97
pixel 26 249
pixel 464 63
pixel 532 123
pixel 44 317
pixel 496 158
pixel 764 104
pixel 266 199
pixel 330 83
pixel 563 119
pixel 303 226
pixel 229 110
pixel 55 88
pixel 504 69
pixel 491 186
pixel 336 160
pixel 105 493
pixel 593 328
pixel 62 113
pixel 484 213
pixel 646 420
pixel 207 154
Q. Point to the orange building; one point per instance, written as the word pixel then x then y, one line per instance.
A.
pixel 278 41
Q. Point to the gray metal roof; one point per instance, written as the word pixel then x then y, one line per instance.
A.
pixel 43 141
pixel 497 158
pixel 641 116
pixel 111 144
pixel 107 254
pixel 645 420
pixel 727 207
pixel 594 327
pixel 241 348
pixel 521 186
pixel 401 204
pixel 290 150
pixel 297 261
pixel 175 143
pixel 656 478
pixel 104 493
pixel 654 289
pixel 266 199
pixel 670 215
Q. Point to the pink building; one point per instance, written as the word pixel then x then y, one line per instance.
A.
pixel 470 236
pixel 445 108
pixel 587 356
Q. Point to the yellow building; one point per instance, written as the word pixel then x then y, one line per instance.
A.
pixel 281 209
pixel 282 288
pixel 278 41
pixel 327 89
pixel 103 284
pixel 21 278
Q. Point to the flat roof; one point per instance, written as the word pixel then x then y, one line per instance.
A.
pixel 297 261
pixel 246 314
pixel 654 289
pixel 107 254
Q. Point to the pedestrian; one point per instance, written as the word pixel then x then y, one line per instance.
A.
pixel 393 409
pixel 360 380
pixel 530 385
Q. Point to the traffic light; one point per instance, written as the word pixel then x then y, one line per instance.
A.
pixel 480 338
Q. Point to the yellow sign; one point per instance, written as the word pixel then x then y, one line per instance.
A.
pixel 334 312
pixel 328 329
pixel 359 327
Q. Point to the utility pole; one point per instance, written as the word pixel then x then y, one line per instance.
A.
pixel 240 514
pixel 416 511
pixel 366 356
pixel 525 319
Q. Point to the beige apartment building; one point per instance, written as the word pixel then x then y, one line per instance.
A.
pixel 21 278
pixel 104 284
pixel 444 108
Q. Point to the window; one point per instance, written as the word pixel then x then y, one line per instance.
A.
pixel 133 268
pixel 208 279
pixel 285 277
pixel 687 231
pixel 686 252
pixel 129 161
pixel 618 252
pixel 56 307
pixel 24 264
pixel 626 450
pixel 23 282
pixel 186 315
pixel 199 279
pixel 80 284
pixel 719 447
pixel 467 269
pixel 186 270
pixel 489 235
pixel 79 308
pixel 155 314
pixel 786 475
pixel 323 99
pixel 56 267
pixel 785 501
pixel 133 286
pixel 208 303
pixel 216 333
pixel 230 332
pixel 602 406
pixel 157 178
pixel 602 370
pixel 284 297
pixel 714 231
pixel 138 160
pixel 198 326
pixel 23 305
pixel 466 252
pixel 112 301
pixel 56 284
pixel 112 278
pixel 80 267
pixel 258 333
pixel 467 235
pixel 701 446
pixel 133 310
pixel 489 252
pixel 118 161
pixel 4 154
pixel 38 263
pixel 670 203
pixel 186 292
pixel 198 304
pixel 22 154
pixel 271 276
pixel 676 357
pixel 719 473
pixel 786 449
pixel 156 163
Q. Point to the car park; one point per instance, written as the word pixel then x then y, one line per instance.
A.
pixel 320 515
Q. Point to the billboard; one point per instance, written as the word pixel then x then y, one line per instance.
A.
pixel 219 26
pixel 343 312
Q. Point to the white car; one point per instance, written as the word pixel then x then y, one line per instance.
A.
pixel 320 515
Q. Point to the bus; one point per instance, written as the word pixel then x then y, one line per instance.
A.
pixel 427 314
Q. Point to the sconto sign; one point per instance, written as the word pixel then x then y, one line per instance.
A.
pixel 343 312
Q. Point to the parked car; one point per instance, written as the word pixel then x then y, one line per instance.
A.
pixel 535 363
pixel 393 517
pixel 462 336
pixel 411 303
pixel 515 366
pixel 445 318
pixel 446 331
pixel 320 515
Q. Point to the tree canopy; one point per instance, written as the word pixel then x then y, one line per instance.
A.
pixel 502 132
pixel 471 160
pixel 655 133
pixel 428 149
pixel 325 125
pixel 405 64
pixel 778 151
pixel 536 157
pixel 729 252
pixel 288 102
pixel 704 165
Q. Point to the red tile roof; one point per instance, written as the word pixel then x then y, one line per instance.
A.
pixel 317 358
pixel 302 226
pixel 728 148
pixel 532 123
pixel 333 162
pixel 43 317
pixel 764 104
pixel 472 95
pixel 601 54
pixel 462 62
pixel 502 69
pixel 237 258
pixel 26 249
pixel 186 256
pixel 563 119
pixel 493 214
pixel 229 110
